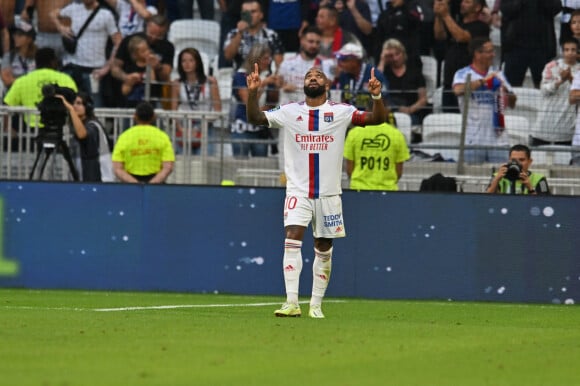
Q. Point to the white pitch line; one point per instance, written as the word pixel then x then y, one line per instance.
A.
pixel 166 307
pixel 169 307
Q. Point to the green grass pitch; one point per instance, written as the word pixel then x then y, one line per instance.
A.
pixel 124 338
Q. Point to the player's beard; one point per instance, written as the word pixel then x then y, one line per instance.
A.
pixel 314 92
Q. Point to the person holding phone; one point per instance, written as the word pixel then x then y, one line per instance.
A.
pixel 251 30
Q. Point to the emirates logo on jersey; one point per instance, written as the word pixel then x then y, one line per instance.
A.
pixel 314 138
pixel 299 119
pixel 313 142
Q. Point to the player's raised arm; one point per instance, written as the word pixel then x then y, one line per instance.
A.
pixel 255 115
pixel 379 113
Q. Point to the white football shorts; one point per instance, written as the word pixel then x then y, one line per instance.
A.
pixel 325 213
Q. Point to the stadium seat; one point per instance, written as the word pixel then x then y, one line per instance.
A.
pixel 204 35
pixel 528 104
pixel 437 100
pixel 430 74
pixel 518 129
pixel 404 125
pixel 442 129
pixel 552 155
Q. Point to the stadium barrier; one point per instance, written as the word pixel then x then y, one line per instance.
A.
pixel 204 239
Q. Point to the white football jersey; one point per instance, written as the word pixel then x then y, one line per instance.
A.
pixel 313 145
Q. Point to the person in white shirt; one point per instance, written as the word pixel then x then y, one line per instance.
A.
pixel 89 60
pixel 132 15
pixel 555 123
pixel 314 133
pixel 490 94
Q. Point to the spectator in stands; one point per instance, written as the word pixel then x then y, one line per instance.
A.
pixel 267 95
pixel 193 91
pixel 138 70
pixel 132 15
pixel 288 20
pixel 161 60
pixel 457 36
pixel 355 16
pixel 574 26
pixel 89 146
pixel 143 153
pixel 89 60
pixel 4 35
pixel 293 69
pixel 574 99
pixel 569 8
pixel 555 123
pixel 27 89
pixel 354 74
pixel 48 35
pixel 514 177
pixel 374 157
pixel 401 20
pixel 490 94
pixel 333 36
pixel 20 60
pixel 205 7
pixel 407 90
pixel 251 30
pixel 230 14
pixel 528 37
pixel 426 39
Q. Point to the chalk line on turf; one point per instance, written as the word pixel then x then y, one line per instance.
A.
pixel 165 307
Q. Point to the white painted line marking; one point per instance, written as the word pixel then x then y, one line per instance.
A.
pixel 166 307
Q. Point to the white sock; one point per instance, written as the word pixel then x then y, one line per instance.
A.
pixel 292 268
pixel 321 275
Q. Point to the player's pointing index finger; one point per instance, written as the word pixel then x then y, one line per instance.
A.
pixel 256 69
pixel 372 72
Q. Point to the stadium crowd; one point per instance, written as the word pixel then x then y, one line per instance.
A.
pixel 128 51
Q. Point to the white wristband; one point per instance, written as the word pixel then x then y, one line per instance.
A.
pixel 376 97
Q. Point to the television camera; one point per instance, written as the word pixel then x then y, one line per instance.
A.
pixel 53 115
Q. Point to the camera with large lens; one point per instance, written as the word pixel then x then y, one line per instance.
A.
pixel 53 112
pixel 514 169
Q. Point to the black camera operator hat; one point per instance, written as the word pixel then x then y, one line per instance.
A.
pixel 24 28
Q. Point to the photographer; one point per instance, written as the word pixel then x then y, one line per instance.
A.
pixel 514 176
pixel 89 147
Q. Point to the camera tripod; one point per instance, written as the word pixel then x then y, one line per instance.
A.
pixel 50 147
